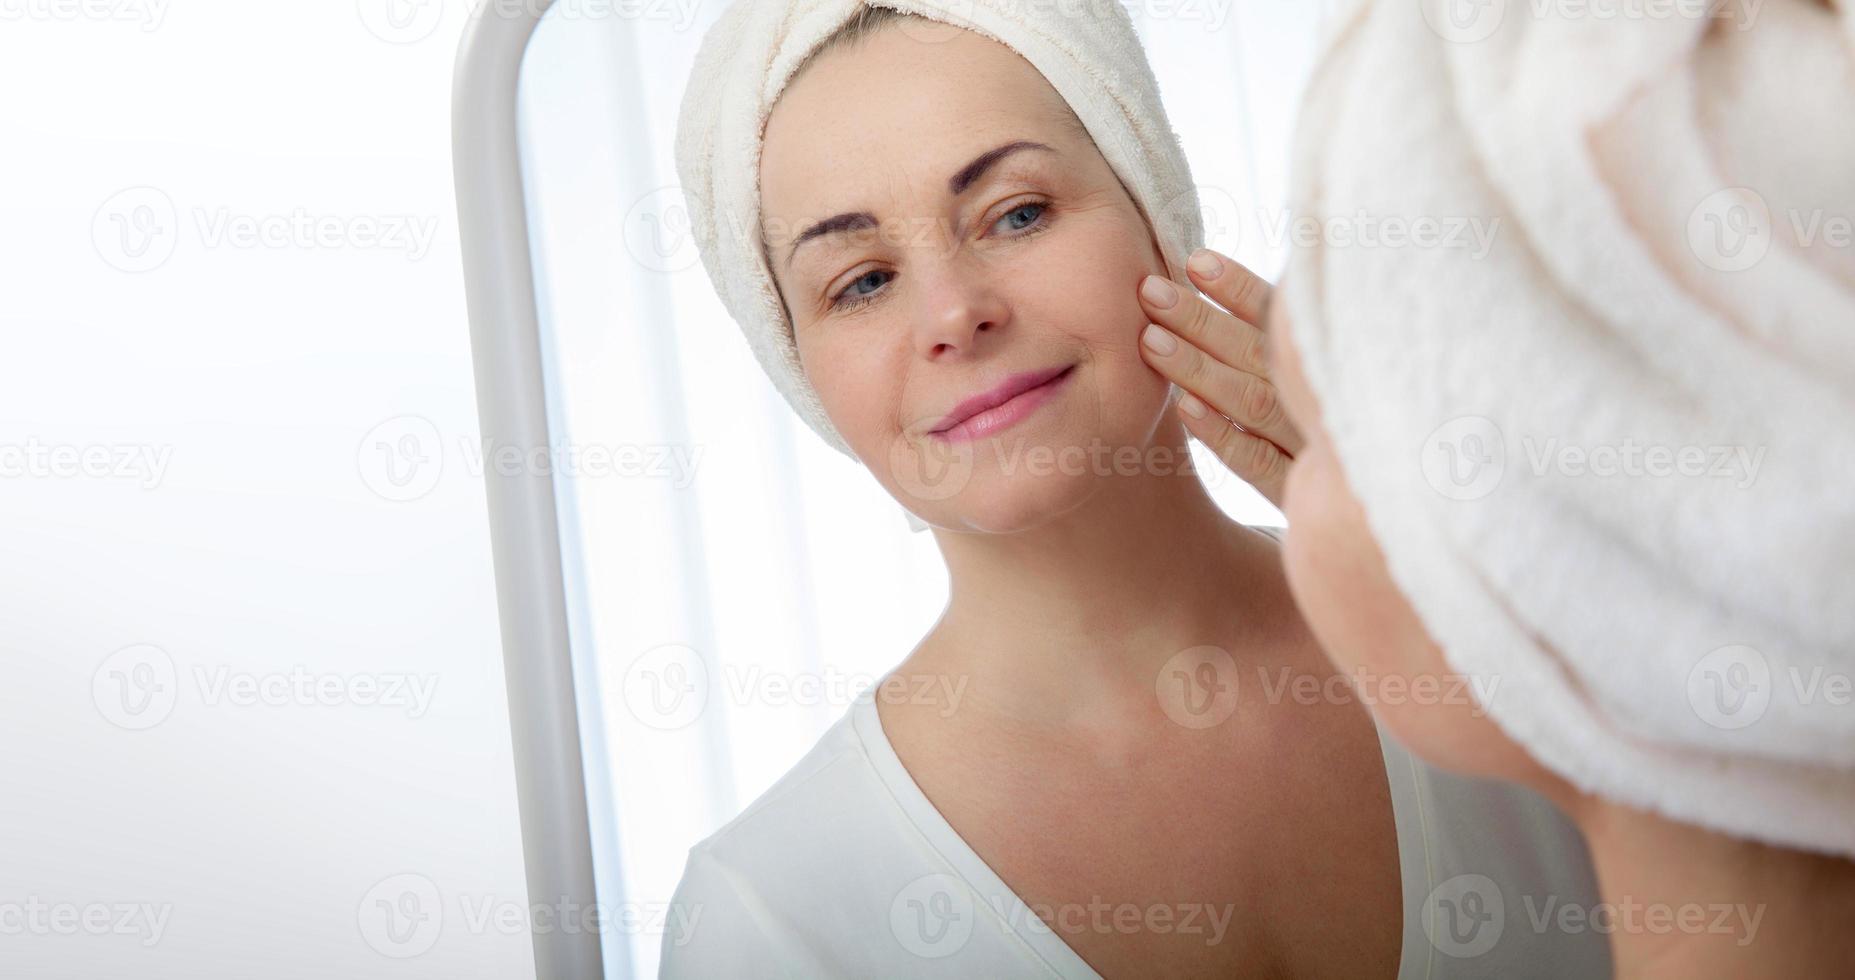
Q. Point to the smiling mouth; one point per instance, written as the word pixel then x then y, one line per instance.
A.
pixel 1006 413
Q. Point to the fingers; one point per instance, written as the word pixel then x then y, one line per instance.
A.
pixel 1246 399
pixel 1233 287
pixel 1213 353
pixel 1255 460
pixel 1210 329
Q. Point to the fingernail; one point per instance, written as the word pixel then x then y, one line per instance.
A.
pixel 1206 263
pixel 1193 407
pixel 1158 338
pixel 1159 292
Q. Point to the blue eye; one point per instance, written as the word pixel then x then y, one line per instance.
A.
pixel 1035 210
pixel 1024 220
pixel 851 297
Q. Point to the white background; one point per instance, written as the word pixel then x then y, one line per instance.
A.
pixel 261 369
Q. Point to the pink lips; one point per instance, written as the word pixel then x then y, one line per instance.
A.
pixel 1003 406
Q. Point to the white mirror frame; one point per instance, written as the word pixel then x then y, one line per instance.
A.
pixel 492 216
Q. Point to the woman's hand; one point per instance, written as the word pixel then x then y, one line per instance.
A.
pixel 1214 352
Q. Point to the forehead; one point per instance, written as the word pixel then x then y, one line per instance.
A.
pixel 896 115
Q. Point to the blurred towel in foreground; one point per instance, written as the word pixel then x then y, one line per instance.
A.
pixel 1607 446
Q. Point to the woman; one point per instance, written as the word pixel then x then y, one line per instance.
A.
pixel 1152 770
pixel 1669 622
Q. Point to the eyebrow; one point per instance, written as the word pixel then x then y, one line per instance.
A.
pixel 956 185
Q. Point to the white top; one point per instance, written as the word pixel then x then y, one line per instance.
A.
pixel 844 869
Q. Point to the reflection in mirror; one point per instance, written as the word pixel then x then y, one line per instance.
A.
pixel 732 581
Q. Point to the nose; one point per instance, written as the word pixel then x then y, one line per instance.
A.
pixel 959 307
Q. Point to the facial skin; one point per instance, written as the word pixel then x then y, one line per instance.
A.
pixel 1034 265
pixel 1343 588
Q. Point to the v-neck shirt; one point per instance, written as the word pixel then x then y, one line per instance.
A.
pixel 843 868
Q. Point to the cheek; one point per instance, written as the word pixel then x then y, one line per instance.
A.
pixel 854 383
pixel 1327 568
pixel 1080 284
pixel 1340 582
pixel 1085 282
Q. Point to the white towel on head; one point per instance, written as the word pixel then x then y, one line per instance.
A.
pixel 1663 286
pixel 1089 52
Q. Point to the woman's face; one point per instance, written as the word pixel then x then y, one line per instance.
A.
pixel 1367 628
pixel 990 240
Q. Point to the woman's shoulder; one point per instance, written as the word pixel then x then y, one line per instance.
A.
pixel 1488 851
pixel 832 782
pixel 808 880
pixel 1474 823
pixel 746 888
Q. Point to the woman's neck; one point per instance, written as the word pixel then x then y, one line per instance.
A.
pixel 1082 611
pixel 1690 903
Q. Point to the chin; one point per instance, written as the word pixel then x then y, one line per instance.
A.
pixel 1014 488
pixel 1006 503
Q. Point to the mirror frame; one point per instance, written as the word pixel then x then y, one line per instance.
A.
pixel 492 214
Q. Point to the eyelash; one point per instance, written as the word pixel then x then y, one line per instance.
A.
pixel 838 302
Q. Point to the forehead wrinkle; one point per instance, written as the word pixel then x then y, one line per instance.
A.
pixel 959 183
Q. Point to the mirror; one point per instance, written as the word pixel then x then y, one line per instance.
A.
pixel 731 581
